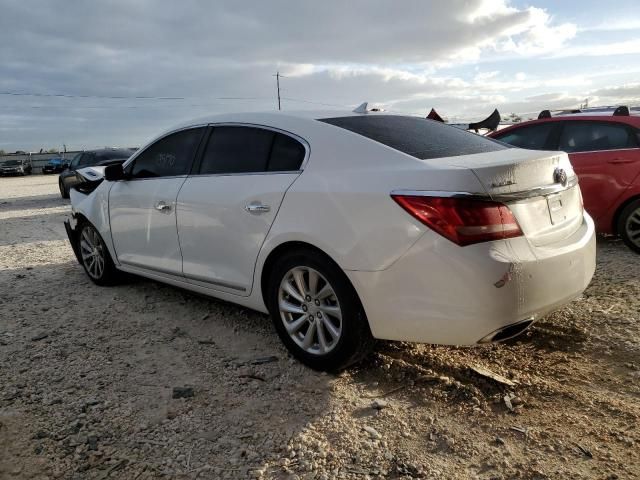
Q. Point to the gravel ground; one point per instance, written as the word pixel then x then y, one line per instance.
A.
pixel 88 377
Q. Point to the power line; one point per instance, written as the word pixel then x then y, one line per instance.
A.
pixel 110 97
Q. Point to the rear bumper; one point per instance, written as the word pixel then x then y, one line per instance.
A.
pixel 441 293
pixel 72 234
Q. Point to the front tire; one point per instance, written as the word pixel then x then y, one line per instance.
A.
pixel 95 257
pixel 63 191
pixel 629 225
pixel 316 311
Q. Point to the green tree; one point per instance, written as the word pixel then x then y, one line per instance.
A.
pixel 52 150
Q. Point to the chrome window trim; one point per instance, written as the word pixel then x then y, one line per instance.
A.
pixel 151 178
pixel 598 151
pixel 504 197
pixel 279 172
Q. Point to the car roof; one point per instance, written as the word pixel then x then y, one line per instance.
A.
pixel 633 120
pixel 272 118
pixel 98 151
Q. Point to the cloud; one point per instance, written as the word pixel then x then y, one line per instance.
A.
pixel 222 56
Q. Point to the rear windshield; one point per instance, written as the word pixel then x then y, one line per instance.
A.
pixel 418 137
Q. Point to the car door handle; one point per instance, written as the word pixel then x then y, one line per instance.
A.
pixel 257 208
pixel 619 161
pixel 163 207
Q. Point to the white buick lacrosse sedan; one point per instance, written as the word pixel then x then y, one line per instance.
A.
pixel 344 227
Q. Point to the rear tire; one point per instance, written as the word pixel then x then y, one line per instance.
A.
pixel 629 225
pixel 317 312
pixel 95 257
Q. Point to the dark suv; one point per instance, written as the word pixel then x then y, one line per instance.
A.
pixel 90 158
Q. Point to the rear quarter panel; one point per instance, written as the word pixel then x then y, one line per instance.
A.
pixel 341 203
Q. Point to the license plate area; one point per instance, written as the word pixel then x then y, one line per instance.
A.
pixel 557 204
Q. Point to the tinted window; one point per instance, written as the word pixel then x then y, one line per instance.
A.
pixel 415 136
pixel 590 136
pixel 76 160
pixel 112 155
pixel 170 156
pixel 87 159
pixel 250 150
pixel 533 137
pixel 237 150
pixel 287 154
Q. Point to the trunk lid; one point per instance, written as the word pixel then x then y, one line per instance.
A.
pixel 539 187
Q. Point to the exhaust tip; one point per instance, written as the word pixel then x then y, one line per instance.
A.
pixel 510 331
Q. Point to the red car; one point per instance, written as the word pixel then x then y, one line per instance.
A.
pixel 604 148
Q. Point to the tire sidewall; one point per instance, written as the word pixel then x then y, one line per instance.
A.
pixel 354 323
pixel 622 220
pixel 109 271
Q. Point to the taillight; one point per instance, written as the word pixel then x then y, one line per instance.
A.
pixel 463 221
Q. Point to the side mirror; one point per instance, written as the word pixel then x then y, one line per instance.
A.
pixel 113 173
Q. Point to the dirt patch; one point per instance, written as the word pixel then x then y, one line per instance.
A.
pixel 87 378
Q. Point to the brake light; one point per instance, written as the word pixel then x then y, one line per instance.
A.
pixel 463 221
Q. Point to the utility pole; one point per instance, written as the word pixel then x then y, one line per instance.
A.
pixel 277 75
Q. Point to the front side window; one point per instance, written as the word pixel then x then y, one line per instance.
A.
pixel 87 158
pixel 76 160
pixel 532 137
pixel 594 136
pixel 170 156
pixel 235 149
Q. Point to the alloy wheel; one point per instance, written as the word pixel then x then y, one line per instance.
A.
pixel 310 310
pixel 92 251
pixel 632 227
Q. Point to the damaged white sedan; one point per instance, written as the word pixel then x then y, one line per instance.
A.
pixel 345 227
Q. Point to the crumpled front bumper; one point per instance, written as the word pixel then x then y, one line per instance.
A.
pixel 72 233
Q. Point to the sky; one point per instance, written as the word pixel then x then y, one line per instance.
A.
pixel 117 73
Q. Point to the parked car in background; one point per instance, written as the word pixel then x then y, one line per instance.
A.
pixel 345 227
pixel 16 167
pixel 604 149
pixel 55 165
pixel 88 158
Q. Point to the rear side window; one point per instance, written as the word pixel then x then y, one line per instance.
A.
pixel 169 156
pixel 250 150
pixel 287 154
pixel 418 137
pixel 594 136
pixel 532 137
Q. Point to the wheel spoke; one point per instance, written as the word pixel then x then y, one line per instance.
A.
pixel 325 292
pixel 290 289
pixel 85 235
pixel 290 307
pixel 309 336
pixel 298 276
pixel 294 326
pixel 322 340
pixel 330 328
pixel 331 310
pixel 313 282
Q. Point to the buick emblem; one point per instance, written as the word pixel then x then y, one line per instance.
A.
pixel 560 176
